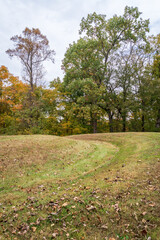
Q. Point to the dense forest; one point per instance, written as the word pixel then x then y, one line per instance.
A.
pixel 111 80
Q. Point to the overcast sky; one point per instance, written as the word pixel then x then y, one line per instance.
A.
pixel 59 20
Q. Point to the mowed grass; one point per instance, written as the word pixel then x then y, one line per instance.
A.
pixel 94 186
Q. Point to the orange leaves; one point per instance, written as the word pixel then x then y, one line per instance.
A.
pixel 17 107
pixel 12 89
pixel 3 73
pixel 32 49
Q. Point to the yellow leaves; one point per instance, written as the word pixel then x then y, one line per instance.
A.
pixel 77 130
pixel 66 125
pixel 49 96
pixel 91 73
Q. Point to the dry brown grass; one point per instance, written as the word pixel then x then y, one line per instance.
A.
pixel 94 186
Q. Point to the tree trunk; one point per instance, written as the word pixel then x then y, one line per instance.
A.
pixel 124 122
pixel 94 123
pixel 142 119
pixel 158 119
pixel 143 123
pixel 110 115
pixel 95 126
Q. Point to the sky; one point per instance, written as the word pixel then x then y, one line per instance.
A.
pixel 59 20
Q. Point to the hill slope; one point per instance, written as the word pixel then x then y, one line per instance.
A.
pixel 96 186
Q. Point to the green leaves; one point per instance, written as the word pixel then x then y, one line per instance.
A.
pixel 115 30
pixel 96 62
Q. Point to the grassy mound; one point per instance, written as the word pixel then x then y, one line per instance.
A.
pixel 99 186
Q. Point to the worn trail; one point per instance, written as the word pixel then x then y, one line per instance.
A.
pixel 80 187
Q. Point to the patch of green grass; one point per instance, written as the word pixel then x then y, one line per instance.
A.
pixel 93 186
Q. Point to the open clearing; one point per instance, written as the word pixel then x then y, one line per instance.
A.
pixel 94 186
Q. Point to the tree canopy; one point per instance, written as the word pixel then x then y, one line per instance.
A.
pixel 111 80
pixel 32 49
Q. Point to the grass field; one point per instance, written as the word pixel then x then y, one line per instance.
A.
pixel 95 186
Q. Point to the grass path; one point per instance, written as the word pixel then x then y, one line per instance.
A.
pixel 95 186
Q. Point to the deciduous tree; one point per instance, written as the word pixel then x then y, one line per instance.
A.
pixel 111 35
pixel 32 49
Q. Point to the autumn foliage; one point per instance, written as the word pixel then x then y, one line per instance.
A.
pixel 111 80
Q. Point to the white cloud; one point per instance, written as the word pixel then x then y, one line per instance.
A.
pixel 59 20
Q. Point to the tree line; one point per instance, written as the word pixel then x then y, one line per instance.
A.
pixel 111 80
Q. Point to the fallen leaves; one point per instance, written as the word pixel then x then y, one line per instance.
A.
pixel 152 204
pixel 99 204
pixel 104 227
pixel 54 235
pixel 116 207
pixel 144 213
pixel 91 208
pixel 65 204
pixel 34 229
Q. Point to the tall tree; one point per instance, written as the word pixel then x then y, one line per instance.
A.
pixel 32 49
pixel 111 35
pixel 129 79
pixel 156 78
pixel 83 69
